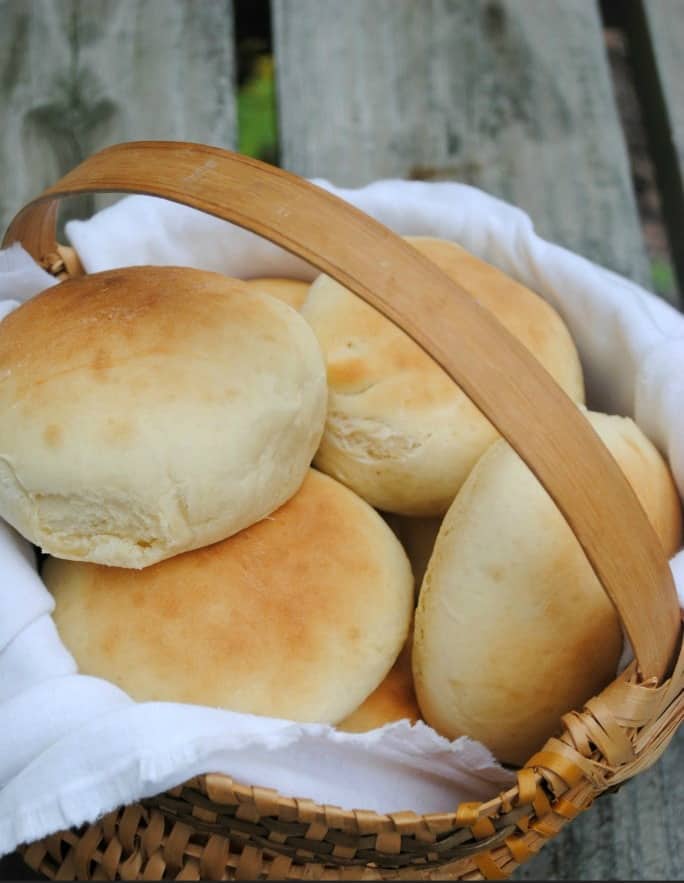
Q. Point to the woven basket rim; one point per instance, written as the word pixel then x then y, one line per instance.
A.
pixel 618 734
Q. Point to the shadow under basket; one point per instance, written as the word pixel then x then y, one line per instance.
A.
pixel 214 828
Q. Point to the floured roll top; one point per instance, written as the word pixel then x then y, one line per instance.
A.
pixel 152 410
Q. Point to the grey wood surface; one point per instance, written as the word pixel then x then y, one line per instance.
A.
pixel 655 30
pixel 76 75
pixel 513 96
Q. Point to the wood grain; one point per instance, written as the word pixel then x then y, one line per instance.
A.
pixel 432 91
pixel 656 39
pixel 490 365
pixel 76 75
pixel 513 96
pixel 519 104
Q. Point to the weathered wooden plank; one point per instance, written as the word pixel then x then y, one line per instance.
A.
pixel 516 98
pixel 655 29
pixel 635 834
pixel 76 75
pixel 513 96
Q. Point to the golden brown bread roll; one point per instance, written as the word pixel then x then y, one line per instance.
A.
pixel 299 616
pixel 513 629
pixel 399 431
pixel 393 700
pixel 152 410
pixel 290 291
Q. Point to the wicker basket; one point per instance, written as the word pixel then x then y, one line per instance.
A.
pixel 214 828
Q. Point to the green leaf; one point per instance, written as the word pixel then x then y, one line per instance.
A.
pixel 258 136
pixel 663 277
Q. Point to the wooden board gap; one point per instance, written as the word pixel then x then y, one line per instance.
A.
pixel 257 112
pixel 643 117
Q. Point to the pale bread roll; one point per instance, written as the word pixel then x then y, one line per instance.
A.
pixel 513 629
pixel 399 431
pixel 393 700
pixel 648 474
pixel 299 616
pixel 290 291
pixel 152 410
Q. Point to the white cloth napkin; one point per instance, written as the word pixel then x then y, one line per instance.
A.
pixel 73 747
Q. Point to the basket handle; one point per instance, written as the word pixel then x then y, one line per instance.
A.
pixel 491 366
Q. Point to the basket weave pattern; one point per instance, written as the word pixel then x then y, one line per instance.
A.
pixel 214 828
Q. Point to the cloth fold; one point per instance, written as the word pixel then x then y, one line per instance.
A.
pixel 74 747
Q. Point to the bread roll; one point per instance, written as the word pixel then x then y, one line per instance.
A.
pixel 648 474
pixel 300 616
pixel 399 431
pixel 513 629
pixel 291 291
pixel 152 410
pixel 393 700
